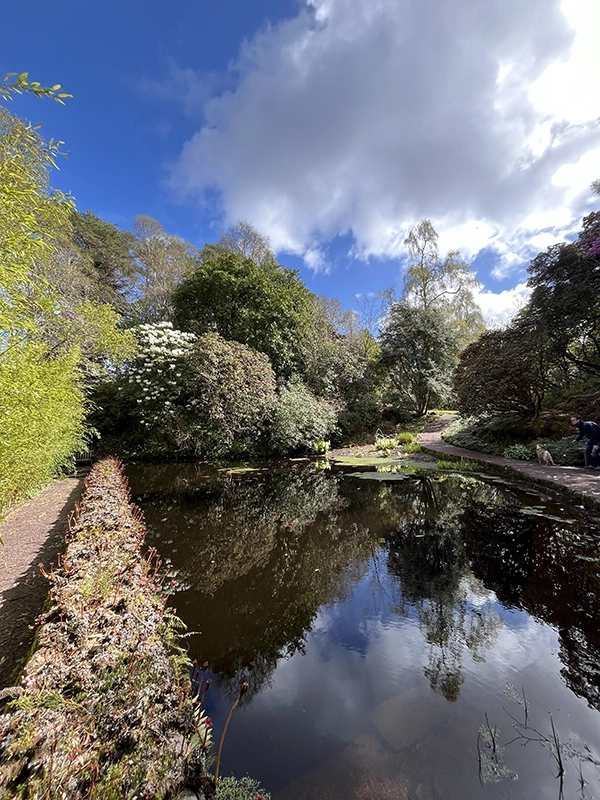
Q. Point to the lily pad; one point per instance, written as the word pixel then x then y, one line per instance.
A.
pixel 238 470
pixel 353 461
pixel 380 476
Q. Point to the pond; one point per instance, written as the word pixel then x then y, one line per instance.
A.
pixel 397 628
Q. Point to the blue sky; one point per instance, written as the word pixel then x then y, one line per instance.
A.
pixel 331 125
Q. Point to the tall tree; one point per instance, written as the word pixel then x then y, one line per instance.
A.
pixel 419 347
pixel 243 240
pixel 445 284
pixel 566 296
pixel 96 262
pixel 266 307
pixel 162 260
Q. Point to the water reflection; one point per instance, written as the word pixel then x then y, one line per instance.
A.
pixel 344 601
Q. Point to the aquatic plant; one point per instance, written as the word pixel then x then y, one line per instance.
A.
pixel 491 755
pixel 247 788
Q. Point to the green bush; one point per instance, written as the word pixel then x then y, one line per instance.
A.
pixel 412 447
pixel 299 419
pixel 566 452
pixel 519 451
pixel 404 437
pixel 461 433
pixel 42 411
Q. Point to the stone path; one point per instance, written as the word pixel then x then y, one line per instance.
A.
pixel 30 535
pixel 582 482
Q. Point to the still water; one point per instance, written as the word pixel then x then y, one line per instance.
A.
pixel 397 630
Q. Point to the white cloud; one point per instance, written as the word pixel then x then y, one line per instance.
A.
pixel 499 308
pixel 364 116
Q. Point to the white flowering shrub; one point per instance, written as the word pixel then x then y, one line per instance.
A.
pixel 155 377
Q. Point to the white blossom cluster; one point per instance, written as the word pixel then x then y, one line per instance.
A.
pixel 157 369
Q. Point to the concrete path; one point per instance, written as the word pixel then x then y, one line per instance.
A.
pixel 31 534
pixel 582 482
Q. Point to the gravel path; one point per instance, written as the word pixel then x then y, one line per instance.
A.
pixel 584 482
pixel 31 534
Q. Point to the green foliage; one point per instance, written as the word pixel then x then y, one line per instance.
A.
pixel 299 419
pixel 467 433
pixel 566 452
pixel 42 410
pixel 228 395
pixel 458 466
pixel 442 284
pixel 505 371
pixel 519 451
pixel 418 347
pixel 265 307
pixel 231 788
pixel 566 289
pixel 34 217
pixel 384 444
pixel 321 447
pixel 94 263
pixel 411 448
pixel 190 395
pixel 22 85
pixel 405 437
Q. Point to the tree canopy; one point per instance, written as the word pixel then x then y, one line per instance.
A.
pixel 419 348
pixel 266 307
pixel 505 371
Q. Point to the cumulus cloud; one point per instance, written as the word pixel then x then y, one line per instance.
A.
pixel 363 116
pixel 498 308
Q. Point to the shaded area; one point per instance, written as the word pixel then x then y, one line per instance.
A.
pixel 31 535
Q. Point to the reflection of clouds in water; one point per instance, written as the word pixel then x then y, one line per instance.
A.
pixel 476 594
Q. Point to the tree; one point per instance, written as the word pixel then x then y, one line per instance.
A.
pixel 243 240
pixel 48 350
pixel 444 284
pixel 505 371
pixel 266 307
pixel 419 348
pixel 34 216
pixel 162 261
pixel 566 291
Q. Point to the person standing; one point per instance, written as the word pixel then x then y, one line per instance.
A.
pixel 592 431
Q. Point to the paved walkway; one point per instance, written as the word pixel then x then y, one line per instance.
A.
pixel 582 482
pixel 31 534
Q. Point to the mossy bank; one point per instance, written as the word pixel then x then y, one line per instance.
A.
pixel 105 706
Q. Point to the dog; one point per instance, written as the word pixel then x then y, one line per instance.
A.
pixel 543 455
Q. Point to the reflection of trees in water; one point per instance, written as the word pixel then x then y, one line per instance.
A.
pixel 261 553
pixel 552 571
pixel 227 528
pixel 427 553
pixel 258 555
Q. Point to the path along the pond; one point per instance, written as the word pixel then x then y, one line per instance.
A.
pixel 576 480
pixel 32 534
